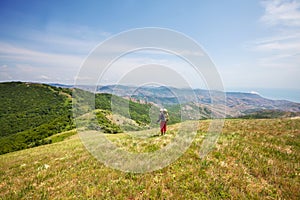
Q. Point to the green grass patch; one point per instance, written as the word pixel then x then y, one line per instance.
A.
pixel 61 136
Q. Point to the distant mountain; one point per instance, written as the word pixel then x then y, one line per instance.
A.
pixel 237 103
pixel 61 85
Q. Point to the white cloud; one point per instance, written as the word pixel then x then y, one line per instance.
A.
pixel 281 12
pixel 281 49
pixel 275 57
pixel 135 68
pixel 22 55
pixel 54 53
pixel 292 45
pixel 57 52
pixel 29 72
pixel 64 38
pixel 279 54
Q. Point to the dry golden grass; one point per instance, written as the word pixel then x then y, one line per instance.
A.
pixel 253 159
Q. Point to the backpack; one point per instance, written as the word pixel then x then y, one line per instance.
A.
pixel 167 116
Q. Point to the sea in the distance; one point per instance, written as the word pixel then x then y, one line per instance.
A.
pixel 275 94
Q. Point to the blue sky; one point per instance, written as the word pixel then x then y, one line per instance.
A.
pixel 253 43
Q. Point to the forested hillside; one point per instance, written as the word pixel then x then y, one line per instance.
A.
pixel 31 112
pixel 26 105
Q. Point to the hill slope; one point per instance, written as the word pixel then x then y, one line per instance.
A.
pixel 253 159
pixel 31 112
pixel 29 105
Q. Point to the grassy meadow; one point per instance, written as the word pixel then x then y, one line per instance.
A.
pixel 253 159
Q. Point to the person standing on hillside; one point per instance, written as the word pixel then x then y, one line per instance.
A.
pixel 163 118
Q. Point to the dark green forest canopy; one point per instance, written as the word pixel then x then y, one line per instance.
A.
pixel 27 105
pixel 31 112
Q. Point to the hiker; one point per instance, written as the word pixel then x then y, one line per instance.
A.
pixel 163 118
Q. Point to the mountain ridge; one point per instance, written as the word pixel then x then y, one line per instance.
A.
pixel 237 103
pixel 104 88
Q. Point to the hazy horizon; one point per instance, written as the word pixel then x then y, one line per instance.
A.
pixel 269 93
